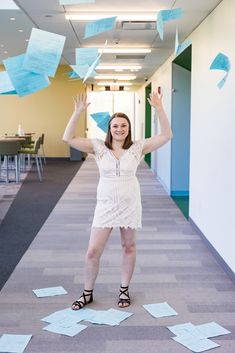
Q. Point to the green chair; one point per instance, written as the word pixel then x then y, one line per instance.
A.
pixel 10 148
pixel 33 151
pixel 42 148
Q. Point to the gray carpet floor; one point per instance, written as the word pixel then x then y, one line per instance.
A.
pixel 173 265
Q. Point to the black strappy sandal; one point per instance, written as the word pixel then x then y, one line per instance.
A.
pixel 79 304
pixel 127 300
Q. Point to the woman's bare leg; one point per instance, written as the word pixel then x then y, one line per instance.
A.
pixel 128 239
pixel 97 242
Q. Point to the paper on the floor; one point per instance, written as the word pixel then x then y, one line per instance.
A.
pixel 212 329
pixel 160 310
pixel 195 343
pixel 182 329
pixel 49 292
pixel 69 316
pixel 110 317
pixel 68 331
pixel 14 343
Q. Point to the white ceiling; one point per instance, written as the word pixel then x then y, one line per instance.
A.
pixel 50 16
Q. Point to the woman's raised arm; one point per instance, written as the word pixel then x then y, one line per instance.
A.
pixel 153 143
pixel 80 143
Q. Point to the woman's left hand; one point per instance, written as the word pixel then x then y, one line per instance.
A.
pixel 155 100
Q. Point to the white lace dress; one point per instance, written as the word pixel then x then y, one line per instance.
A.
pixel 118 191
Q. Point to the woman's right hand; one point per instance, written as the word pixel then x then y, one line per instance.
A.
pixel 80 103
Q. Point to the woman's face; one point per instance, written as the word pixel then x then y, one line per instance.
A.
pixel 119 129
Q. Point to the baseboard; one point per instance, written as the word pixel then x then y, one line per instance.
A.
pixel 214 252
pixel 62 159
pixel 179 193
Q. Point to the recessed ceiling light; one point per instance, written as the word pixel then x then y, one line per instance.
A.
pixel 125 50
pixel 12 19
pixel 27 40
pixel 8 5
pixel 20 30
pixel 121 16
pixel 115 77
pixel 110 83
pixel 118 67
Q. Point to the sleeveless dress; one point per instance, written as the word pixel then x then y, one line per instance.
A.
pixel 118 191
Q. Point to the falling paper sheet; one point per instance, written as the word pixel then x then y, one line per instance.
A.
pixel 99 26
pixel 160 310
pixel 49 292
pixel 86 56
pixel 72 74
pixel 221 62
pixel 14 343
pixel 165 16
pixel 110 317
pixel 195 343
pixel 102 120
pixel 68 331
pixel 43 52
pixel 6 85
pixel 25 82
pixel 75 2
pixel 212 329
pixel 82 70
pixel 71 316
pixel 179 48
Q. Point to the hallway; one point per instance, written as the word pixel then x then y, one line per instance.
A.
pixel 173 266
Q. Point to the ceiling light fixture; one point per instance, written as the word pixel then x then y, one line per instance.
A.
pixel 20 30
pixel 110 83
pixel 118 67
pixel 121 16
pixel 115 77
pixel 125 50
pixel 12 19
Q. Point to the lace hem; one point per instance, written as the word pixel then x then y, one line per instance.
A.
pixel 114 226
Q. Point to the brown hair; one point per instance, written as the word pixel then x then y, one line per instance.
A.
pixel 109 139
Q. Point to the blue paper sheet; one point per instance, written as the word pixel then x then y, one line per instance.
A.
pixel 160 310
pixel 82 70
pixel 75 2
pixel 72 74
pixel 99 26
pixel 110 317
pixel 69 315
pixel 165 16
pixel 14 343
pixel 25 82
pixel 68 331
pixel 194 343
pixel 86 56
pixel 221 62
pixel 49 292
pixel 212 329
pixel 187 328
pixel 6 85
pixel 43 52
pixel 179 48
pixel 102 120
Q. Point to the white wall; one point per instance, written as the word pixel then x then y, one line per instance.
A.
pixel 212 170
pixel 161 159
pixel 212 146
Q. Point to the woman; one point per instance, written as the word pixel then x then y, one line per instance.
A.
pixel 118 192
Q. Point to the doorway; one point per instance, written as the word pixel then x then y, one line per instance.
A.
pixel 148 121
pixel 180 146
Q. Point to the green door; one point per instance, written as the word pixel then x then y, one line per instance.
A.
pixel 147 157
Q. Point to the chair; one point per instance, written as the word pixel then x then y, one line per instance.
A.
pixel 10 148
pixel 42 148
pixel 33 151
